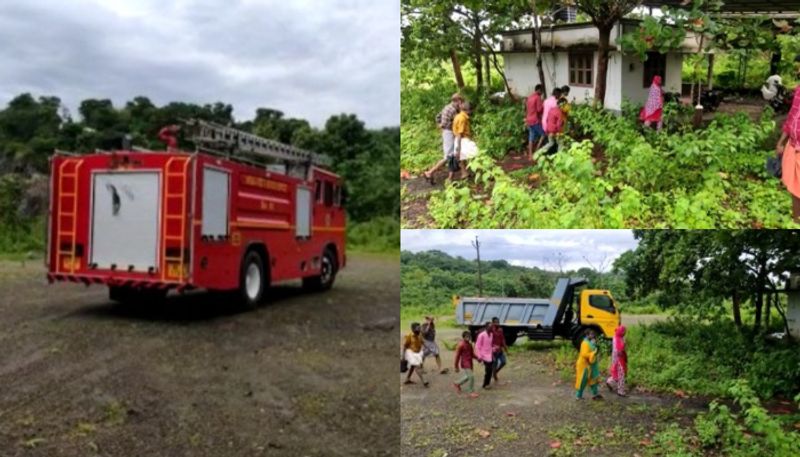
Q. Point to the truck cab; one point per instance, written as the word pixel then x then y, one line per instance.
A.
pixel 597 310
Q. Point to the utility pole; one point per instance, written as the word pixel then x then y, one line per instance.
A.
pixel 477 245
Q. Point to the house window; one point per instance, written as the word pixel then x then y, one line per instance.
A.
pixel 581 69
pixel 656 64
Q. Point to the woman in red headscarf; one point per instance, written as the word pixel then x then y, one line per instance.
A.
pixel 653 109
pixel 619 363
pixel 789 146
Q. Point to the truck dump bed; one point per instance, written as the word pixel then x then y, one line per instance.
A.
pixel 475 311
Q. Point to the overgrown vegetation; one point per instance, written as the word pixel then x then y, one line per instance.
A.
pixel 30 130
pixel 610 174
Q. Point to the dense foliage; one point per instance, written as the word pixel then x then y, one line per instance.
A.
pixel 608 174
pixel 430 279
pixel 30 129
pixel 697 271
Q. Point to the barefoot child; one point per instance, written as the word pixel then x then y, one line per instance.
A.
pixel 463 361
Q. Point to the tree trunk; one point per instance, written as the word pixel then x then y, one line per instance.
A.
pixel 770 298
pixel 736 305
pixel 710 76
pixel 602 65
pixel 477 55
pixel 537 42
pixel 488 72
pixel 774 62
pixel 457 69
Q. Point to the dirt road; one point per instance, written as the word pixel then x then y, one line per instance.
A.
pixel 306 375
pixel 531 410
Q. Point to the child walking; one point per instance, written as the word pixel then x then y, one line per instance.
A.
pixel 463 361
pixel 619 363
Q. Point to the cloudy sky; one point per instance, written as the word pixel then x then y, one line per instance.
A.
pixel 309 59
pixel 531 248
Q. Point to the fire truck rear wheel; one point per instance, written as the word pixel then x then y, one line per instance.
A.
pixel 328 270
pixel 253 280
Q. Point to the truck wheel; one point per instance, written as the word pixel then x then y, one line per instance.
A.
pixel 252 280
pixel 510 336
pixel 327 276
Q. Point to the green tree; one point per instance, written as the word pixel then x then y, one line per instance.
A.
pixel 605 14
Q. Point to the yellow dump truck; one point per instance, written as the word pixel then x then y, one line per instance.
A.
pixel 569 313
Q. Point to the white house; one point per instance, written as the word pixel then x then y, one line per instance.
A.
pixel 569 57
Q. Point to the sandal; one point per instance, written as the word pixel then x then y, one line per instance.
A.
pixel 425 383
pixel 408 381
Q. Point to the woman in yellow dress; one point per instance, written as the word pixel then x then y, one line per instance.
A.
pixel 587 369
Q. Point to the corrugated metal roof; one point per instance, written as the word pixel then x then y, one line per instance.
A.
pixel 742 6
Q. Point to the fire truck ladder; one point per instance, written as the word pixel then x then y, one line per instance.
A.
pixel 66 233
pixel 220 137
pixel 175 178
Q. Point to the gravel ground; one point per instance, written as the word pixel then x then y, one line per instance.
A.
pixel 531 410
pixel 306 375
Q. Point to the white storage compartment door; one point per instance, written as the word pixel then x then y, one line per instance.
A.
pixel 303 213
pixel 216 187
pixel 125 219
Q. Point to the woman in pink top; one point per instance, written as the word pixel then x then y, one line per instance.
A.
pixel 553 122
pixel 789 146
pixel 483 351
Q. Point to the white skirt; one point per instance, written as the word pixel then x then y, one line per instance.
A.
pixel 414 359
pixel 468 149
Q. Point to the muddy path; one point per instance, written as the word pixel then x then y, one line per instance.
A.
pixel 305 375
pixel 532 408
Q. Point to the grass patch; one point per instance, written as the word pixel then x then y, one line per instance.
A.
pixel 705 358
pixel 381 234
pixel 116 413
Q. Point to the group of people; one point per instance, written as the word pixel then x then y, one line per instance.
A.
pixel 491 350
pixel 587 367
pixel 457 144
pixel 546 119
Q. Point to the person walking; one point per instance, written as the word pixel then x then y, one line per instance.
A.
pixel 463 361
pixel 553 122
pixel 789 148
pixel 483 351
pixel 499 348
pixel 429 346
pixel 587 371
pixel 619 363
pixel 412 354
pixel 465 148
pixel 653 109
pixel 444 121
pixel 534 109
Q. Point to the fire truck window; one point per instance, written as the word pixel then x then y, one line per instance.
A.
pixel 328 193
pixel 337 196
pixel 318 192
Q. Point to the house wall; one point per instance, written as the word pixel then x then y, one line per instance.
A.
pixel 523 76
pixel 621 82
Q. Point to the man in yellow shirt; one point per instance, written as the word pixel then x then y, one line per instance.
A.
pixel 412 353
pixel 465 148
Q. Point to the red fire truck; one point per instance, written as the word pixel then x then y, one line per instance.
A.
pixel 238 213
